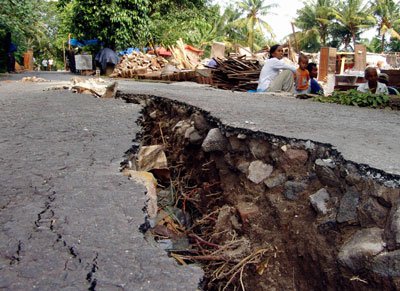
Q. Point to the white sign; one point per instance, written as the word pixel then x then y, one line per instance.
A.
pixel 83 62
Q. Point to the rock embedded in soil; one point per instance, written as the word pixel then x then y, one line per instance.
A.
pixel 371 213
pixel 395 225
pixel 293 189
pixel 327 176
pixel 348 207
pixel 258 171
pixel 258 148
pixel 193 135
pixel 319 200
pixel 361 247
pixel 275 181
pixel 200 122
pixel 386 264
pixel 214 141
pixel 247 210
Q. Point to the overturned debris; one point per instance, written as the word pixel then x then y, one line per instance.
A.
pixel 33 79
pixel 95 86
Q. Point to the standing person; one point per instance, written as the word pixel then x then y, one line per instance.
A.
pixel 276 75
pixel 11 49
pixel 372 85
pixel 302 75
pixel 315 87
pixel 44 64
pixel 50 63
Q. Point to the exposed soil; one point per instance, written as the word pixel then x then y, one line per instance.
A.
pixel 252 233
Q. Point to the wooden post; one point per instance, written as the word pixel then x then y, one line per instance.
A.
pixel 342 63
pixel 69 41
pixel 65 61
pixel 327 63
pixel 295 39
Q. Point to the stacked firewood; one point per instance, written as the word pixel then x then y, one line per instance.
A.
pixel 137 63
pixel 236 74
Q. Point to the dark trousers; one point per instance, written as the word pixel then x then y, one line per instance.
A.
pixel 10 62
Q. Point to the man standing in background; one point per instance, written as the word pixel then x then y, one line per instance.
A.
pixel 11 49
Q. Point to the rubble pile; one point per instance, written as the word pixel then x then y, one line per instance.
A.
pixel 138 63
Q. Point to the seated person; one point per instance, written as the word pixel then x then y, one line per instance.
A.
pixel 384 78
pixel 315 87
pixel 302 75
pixel 276 75
pixel 372 85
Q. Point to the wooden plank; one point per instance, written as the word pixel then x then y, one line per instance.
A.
pixel 327 63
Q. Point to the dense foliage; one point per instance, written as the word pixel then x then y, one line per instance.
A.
pixel 32 24
pixel 117 23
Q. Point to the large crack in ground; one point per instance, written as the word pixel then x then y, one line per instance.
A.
pixel 263 212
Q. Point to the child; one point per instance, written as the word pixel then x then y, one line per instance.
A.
pixel 372 85
pixel 314 88
pixel 302 75
pixel 384 78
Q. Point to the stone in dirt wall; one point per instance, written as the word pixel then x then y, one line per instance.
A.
pixel 334 224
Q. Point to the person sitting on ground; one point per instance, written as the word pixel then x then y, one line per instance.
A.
pixel 315 87
pixel 276 75
pixel 302 75
pixel 384 78
pixel 372 85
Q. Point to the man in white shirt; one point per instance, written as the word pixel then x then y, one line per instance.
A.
pixel 372 85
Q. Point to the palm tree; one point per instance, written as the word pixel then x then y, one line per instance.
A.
pixel 315 18
pixel 387 13
pixel 227 27
pixel 253 10
pixel 353 17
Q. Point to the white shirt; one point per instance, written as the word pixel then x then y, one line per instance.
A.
pixel 380 88
pixel 272 67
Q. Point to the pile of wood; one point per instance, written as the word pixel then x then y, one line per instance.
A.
pixel 185 57
pixel 137 63
pixel 236 74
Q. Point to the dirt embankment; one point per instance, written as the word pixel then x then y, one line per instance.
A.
pixel 263 212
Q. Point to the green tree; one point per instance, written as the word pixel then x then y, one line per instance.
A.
pixel 314 19
pixel 253 11
pixel 117 23
pixel 32 24
pixel 387 13
pixel 195 25
pixel 353 17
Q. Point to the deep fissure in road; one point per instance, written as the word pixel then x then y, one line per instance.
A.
pixel 263 212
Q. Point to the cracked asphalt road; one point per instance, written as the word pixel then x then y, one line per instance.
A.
pixel 361 135
pixel 69 219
